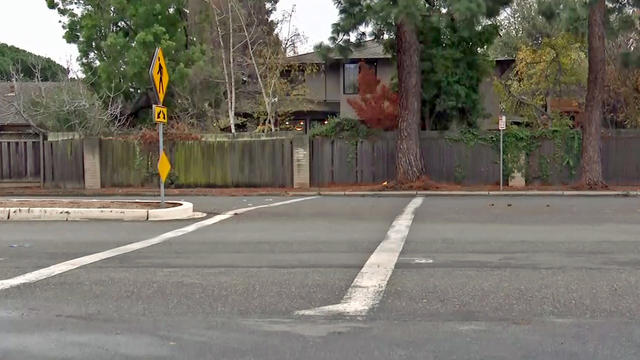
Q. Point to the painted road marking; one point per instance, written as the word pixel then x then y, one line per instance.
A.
pixel 368 287
pixel 90 259
pixel 418 260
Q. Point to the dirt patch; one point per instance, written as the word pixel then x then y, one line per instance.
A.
pixel 423 184
pixel 84 204
pixel 587 187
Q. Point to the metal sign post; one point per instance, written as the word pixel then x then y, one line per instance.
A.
pixel 502 125
pixel 160 80
pixel 161 152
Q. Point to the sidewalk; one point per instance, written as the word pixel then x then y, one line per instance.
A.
pixel 328 191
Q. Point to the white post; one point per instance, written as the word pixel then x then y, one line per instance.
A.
pixel 160 138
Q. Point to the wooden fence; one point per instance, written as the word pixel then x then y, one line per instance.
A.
pixel 63 164
pixel 373 161
pixel 20 162
pixel 220 163
pixel 269 162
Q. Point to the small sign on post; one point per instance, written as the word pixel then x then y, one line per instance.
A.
pixel 164 166
pixel 159 76
pixel 502 125
pixel 160 114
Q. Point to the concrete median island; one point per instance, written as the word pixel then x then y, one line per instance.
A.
pixel 75 209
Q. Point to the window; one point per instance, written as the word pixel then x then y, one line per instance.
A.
pixel 351 72
pixel 351 78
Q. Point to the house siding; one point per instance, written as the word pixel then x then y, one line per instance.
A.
pixel 490 105
pixel 334 82
pixel 316 85
pixel 327 84
pixel 385 71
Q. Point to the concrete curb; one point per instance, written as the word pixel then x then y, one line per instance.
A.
pixel 183 211
pixel 467 193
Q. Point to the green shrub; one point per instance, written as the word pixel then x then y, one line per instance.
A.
pixel 342 128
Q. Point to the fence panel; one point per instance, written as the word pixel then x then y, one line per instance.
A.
pixel 374 161
pixel 453 162
pixel 219 163
pixel 384 168
pixel 344 162
pixel 20 161
pixel 547 166
pixel 64 164
pixel 321 161
pixel 621 158
pixel 124 163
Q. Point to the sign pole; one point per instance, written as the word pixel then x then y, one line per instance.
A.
pixel 161 142
pixel 160 80
pixel 502 125
pixel 501 157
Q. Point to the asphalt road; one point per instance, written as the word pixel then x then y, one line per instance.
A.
pixel 477 278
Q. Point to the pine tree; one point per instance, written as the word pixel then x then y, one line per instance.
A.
pixel 592 128
pixel 397 23
pixel 605 18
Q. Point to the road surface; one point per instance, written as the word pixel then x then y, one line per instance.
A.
pixel 331 278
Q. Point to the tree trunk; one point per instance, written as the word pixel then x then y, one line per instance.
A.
pixel 409 162
pixel 591 133
pixel 232 111
pixel 227 77
pixel 265 97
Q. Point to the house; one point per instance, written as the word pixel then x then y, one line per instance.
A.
pixel 14 122
pixel 336 81
pixel 21 141
pixel 490 98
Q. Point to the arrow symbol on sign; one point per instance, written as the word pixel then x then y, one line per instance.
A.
pixel 161 115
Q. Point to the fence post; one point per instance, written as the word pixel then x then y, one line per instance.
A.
pixel 91 156
pixel 301 162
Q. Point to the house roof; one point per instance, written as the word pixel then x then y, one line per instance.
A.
pixel 13 97
pixel 370 49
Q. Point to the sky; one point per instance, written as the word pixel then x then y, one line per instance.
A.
pixel 313 18
pixel 33 27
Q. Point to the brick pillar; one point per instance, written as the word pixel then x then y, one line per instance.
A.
pixel 301 162
pixel 91 149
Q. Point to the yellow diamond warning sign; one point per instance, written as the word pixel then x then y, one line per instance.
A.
pixel 164 166
pixel 160 114
pixel 159 75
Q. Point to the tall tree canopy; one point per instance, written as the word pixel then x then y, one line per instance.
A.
pixel 116 39
pixel 21 64
pixel 399 24
pixel 528 23
pixel 455 61
pixel 604 18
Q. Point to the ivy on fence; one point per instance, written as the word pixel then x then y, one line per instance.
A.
pixel 522 141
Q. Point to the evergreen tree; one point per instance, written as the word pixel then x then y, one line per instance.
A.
pixel 15 62
pixel 399 24
pixel 605 18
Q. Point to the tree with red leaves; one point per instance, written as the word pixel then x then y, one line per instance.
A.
pixel 376 105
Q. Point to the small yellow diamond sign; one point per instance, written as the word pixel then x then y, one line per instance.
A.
pixel 159 75
pixel 164 166
pixel 160 114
